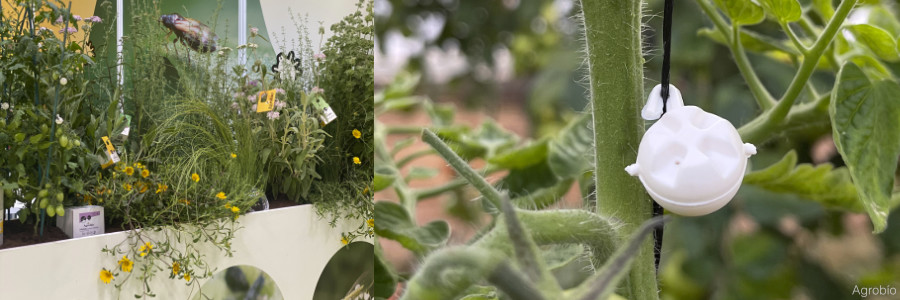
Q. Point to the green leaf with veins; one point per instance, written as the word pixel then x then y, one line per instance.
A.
pixel 866 130
pixel 743 12
pixel 784 10
pixel 830 187
pixel 876 39
pixel 571 152
pixel 882 18
pixel 393 222
pixel 521 157
pixel 490 137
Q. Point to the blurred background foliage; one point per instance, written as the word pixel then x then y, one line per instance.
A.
pixel 764 245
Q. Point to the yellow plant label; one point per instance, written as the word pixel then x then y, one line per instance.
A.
pixel 110 153
pixel 265 101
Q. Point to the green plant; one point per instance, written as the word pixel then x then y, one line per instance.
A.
pixel 858 111
pixel 50 141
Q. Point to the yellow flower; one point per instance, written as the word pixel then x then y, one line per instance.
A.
pixel 185 201
pixel 129 170
pixel 146 248
pixel 126 264
pixel 138 165
pixel 344 240
pixel 127 187
pixel 221 195
pixel 144 187
pixel 195 177
pixel 356 160
pixel 233 155
pixel 106 276
pixel 371 222
pixel 227 205
pixel 187 277
pixel 161 188
pixel 176 268
pixel 366 191
pixel 356 133
pixel 235 209
pixel 145 173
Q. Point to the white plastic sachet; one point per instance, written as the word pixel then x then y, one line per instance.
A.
pixel 690 161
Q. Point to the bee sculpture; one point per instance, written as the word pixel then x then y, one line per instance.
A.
pixel 190 32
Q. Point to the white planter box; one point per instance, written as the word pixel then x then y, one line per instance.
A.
pixel 291 244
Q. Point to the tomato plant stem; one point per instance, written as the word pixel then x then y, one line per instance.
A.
pixel 613 40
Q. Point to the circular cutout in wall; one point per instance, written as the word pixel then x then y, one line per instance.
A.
pixel 239 283
pixel 348 274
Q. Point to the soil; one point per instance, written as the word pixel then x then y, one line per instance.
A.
pixel 16 234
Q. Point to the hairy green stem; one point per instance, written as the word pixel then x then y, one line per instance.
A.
pixel 510 282
pixel 613 40
pixel 461 167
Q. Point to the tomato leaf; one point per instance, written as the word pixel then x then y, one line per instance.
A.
pixel 876 39
pixel 866 130
pixel 571 152
pixel 393 222
pixel 744 12
pixel 830 187
pixel 521 157
pixel 784 10
pixel 384 177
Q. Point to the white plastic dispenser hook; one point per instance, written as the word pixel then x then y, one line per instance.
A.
pixel 653 109
pixel 690 161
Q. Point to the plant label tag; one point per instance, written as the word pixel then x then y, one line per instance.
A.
pixel 327 114
pixel 265 101
pixel 110 153
pixel 82 221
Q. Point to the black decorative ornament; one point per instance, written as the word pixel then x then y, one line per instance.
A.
pixel 290 69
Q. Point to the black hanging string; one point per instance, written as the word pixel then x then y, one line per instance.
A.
pixel 664 92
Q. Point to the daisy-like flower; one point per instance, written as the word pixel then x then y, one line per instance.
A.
pixel 371 222
pixel 126 264
pixel 145 249
pixel 77 17
pixel 94 19
pixel 138 165
pixel 280 104
pixel 195 177
pixel 221 195
pixel 272 115
pixel 144 187
pixel 4 106
pixel 279 90
pixel 58 20
pixel 129 171
pixel 176 268
pixel 106 276
pixel 356 160
pixel 235 209
pixel 187 277
pixel 319 56
pixel 161 188
pixel 356 133
pixel 233 155
pixel 344 240
pixel 252 98
pixel 145 173
pixel 59 120
pixel 127 187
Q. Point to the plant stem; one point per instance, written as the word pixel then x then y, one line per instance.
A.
pixel 613 39
pixel 766 124
pixel 461 167
pixel 759 91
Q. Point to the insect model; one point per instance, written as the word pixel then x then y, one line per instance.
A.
pixel 190 32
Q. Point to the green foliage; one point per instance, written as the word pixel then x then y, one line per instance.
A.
pixel 348 79
pixel 867 134
pixel 783 10
pixel 742 12
pixel 830 187
pixel 878 40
